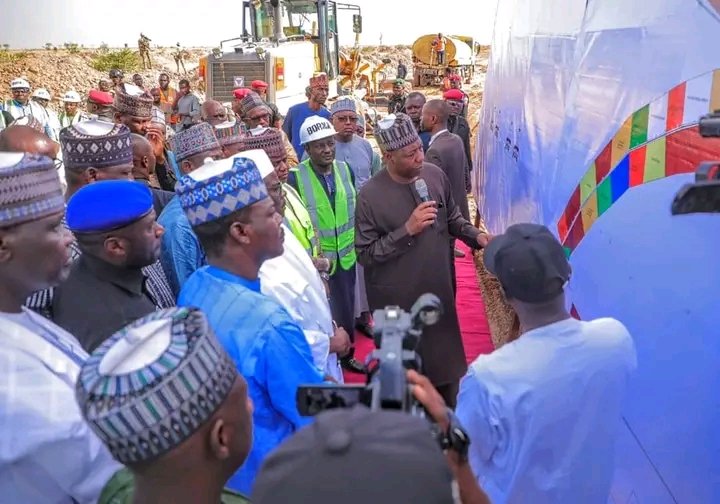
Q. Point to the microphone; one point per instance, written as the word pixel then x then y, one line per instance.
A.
pixel 422 190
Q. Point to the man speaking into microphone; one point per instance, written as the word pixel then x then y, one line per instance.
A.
pixel 404 219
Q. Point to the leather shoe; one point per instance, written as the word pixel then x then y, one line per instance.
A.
pixel 353 365
pixel 364 327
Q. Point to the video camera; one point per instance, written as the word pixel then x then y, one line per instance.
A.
pixel 396 334
pixel 704 195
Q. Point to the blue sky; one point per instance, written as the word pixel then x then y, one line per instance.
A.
pixel 32 23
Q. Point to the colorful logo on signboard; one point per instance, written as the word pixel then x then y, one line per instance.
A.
pixel 659 140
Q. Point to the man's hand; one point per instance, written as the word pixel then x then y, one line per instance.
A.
pixel 156 137
pixel 340 342
pixel 426 395
pixel 321 263
pixel 483 239
pixel 422 217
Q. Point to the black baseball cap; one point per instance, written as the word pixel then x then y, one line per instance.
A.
pixel 529 262
pixel 357 456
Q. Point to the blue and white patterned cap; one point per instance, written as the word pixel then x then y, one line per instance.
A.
pixel 151 385
pixel 346 104
pixel 30 188
pixel 219 188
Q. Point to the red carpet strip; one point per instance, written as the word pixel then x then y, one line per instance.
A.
pixel 471 312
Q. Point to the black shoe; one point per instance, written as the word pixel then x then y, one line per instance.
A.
pixel 353 365
pixel 364 327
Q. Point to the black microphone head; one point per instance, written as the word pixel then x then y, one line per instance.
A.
pixel 422 190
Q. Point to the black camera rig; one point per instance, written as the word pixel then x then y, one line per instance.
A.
pixel 704 195
pixel 396 334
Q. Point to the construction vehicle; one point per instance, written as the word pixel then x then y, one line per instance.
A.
pixel 284 43
pixel 357 73
pixel 459 55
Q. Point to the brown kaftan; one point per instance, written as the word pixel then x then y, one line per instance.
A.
pixel 399 268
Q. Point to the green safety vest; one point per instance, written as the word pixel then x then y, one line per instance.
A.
pixel 301 225
pixel 336 228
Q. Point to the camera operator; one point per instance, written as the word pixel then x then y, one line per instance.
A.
pixel 543 411
pixel 360 456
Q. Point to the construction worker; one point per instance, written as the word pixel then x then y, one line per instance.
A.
pixel 71 114
pixel 21 106
pixel 42 97
pixel 327 188
pixel 439 45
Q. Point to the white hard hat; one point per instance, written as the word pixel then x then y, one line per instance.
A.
pixel 19 84
pixel 315 128
pixel 41 93
pixel 71 97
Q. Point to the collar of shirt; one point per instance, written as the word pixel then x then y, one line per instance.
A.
pixel 432 138
pixel 253 285
pixel 129 279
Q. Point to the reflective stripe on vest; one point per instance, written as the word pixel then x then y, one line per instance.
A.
pixel 336 228
pixel 300 222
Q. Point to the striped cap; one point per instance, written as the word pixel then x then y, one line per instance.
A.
pixel 344 105
pixel 268 139
pixel 197 139
pixel 250 103
pixel 134 101
pixel 30 121
pixel 96 144
pixel 395 131
pixel 150 386
pixel 219 188
pixel 230 132
pixel 30 188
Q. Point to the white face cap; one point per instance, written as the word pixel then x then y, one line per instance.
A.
pixel 315 128
pixel 8 159
pixel 140 347
pixel 261 160
pixel 71 97
pixel 41 93
pixel 133 90
pixel 19 84
pixel 212 168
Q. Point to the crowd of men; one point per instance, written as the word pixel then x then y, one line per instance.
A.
pixel 171 271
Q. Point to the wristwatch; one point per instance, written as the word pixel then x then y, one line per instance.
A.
pixel 455 438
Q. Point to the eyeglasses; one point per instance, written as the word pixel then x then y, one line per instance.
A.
pixel 58 164
pixel 352 119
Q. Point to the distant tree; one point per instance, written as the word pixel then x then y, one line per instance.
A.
pixel 126 46
pixel 6 46
pixel 48 46
pixel 104 48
